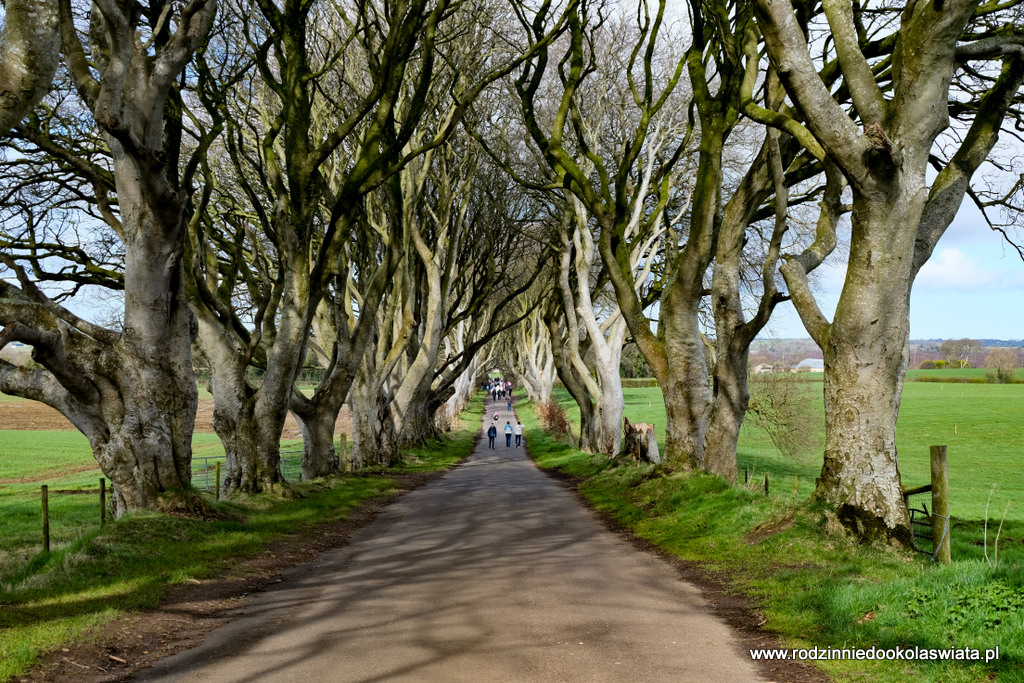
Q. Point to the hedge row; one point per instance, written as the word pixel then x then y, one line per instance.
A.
pixel 989 378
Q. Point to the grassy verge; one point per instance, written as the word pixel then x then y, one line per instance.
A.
pixel 815 586
pixel 100 573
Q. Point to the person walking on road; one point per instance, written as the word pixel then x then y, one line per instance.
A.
pixel 519 433
pixel 508 434
pixel 491 433
pixel 510 401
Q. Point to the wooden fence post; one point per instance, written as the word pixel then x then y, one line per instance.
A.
pixel 766 483
pixel 217 485
pixel 941 526
pixel 46 518
pixel 103 501
pixel 796 485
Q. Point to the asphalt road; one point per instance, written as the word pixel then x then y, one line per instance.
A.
pixel 490 573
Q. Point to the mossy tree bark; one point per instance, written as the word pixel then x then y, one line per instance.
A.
pixel 734 329
pixel 625 189
pixel 308 153
pixel 316 163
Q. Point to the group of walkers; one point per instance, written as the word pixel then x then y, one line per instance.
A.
pixel 510 431
pixel 499 388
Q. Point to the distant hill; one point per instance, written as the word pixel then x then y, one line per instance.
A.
pixel 789 352
pixel 1013 343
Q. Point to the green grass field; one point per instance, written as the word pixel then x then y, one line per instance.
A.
pixel 982 425
pixel 956 375
pixel 31 454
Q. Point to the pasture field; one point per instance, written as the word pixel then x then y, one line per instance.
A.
pixel 63 461
pixel 982 424
pixel 956 375
pixel 33 454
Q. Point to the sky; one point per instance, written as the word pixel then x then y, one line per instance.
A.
pixel 973 286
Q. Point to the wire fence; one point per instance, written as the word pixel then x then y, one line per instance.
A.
pixel 12 506
pixel 291 465
pixel 50 519
pixel 206 470
pixel 46 520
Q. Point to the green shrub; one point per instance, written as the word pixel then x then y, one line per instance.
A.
pixel 1000 376
pixel 940 364
pixel 954 380
pixel 927 365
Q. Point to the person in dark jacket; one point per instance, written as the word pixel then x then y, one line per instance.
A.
pixel 491 433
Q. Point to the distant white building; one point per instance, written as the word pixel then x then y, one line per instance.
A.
pixel 810 365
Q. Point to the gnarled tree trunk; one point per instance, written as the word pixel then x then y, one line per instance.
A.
pixel 684 382
pixel 249 419
pixel 610 407
pixel 131 393
pixel 884 151
pixel 150 446
pixel 319 457
pixel 730 398
pixel 374 441
pixel 733 331
pixel 29 55
pixel 576 387
pixel 865 363
pixel 270 409
pixel 536 372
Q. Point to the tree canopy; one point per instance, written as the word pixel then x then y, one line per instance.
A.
pixel 406 192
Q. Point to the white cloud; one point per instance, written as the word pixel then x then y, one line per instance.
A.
pixel 952 269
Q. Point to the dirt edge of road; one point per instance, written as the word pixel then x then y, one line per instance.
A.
pixel 119 649
pixel 736 610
